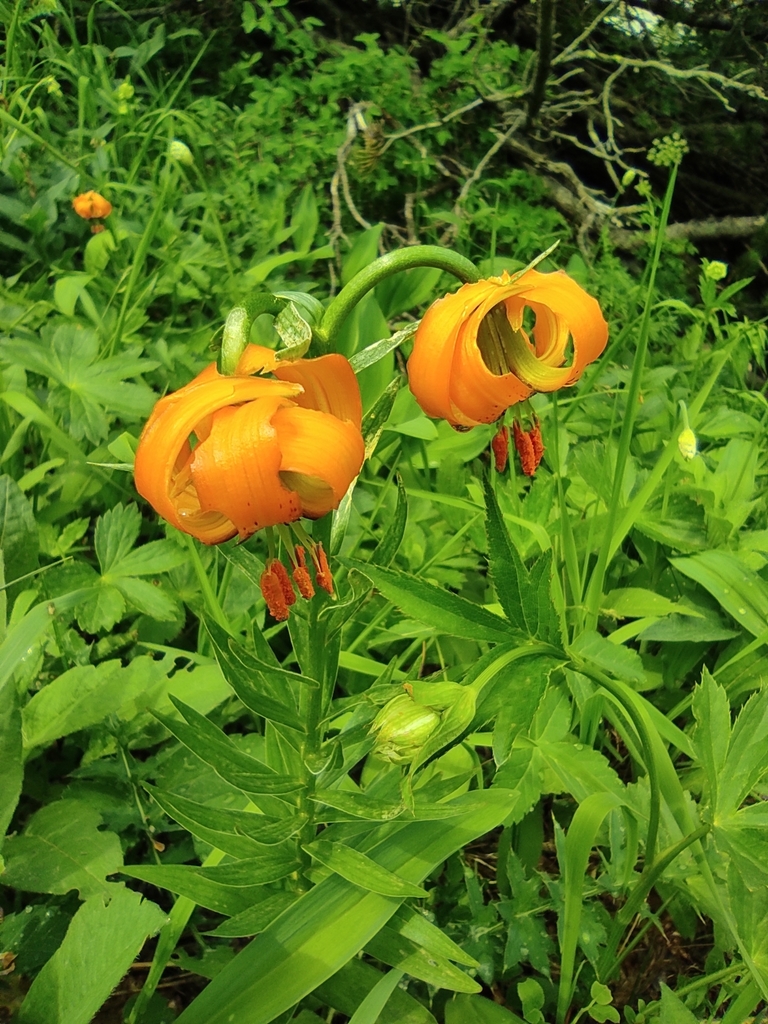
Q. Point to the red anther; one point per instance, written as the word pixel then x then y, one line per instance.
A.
pixel 301 575
pixel 272 590
pixel 536 441
pixel 525 449
pixel 500 448
pixel 279 570
pixel 322 570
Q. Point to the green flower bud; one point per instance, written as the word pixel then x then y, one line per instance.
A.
pixel 715 271
pixel 686 442
pixel 401 728
pixel 180 151
pixel 628 177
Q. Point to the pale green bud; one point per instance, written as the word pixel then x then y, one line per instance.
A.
pixel 180 151
pixel 686 442
pixel 628 177
pixel 401 729
pixel 715 271
pixel 124 91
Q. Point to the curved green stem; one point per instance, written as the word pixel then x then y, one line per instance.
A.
pixel 595 589
pixel 237 328
pixel 649 754
pixel 636 898
pixel 394 262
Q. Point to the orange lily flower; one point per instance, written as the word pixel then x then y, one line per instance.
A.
pixel 230 455
pixel 90 205
pixel 472 357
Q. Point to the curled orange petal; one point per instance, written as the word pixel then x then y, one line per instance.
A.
pixel 228 455
pixel 472 357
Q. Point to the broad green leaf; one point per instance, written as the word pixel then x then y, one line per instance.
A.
pixel 239 833
pixel 67 291
pixel 348 989
pixel 147 599
pixel 580 769
pixel 478 1010
pixel 742 839
pixel 673 1010
pixel 79 698
pixel 395 950
pixel 115 535
pixel 11 763
pixel 749 909
pixel 324 929
pixel 304 219
pixel 361 870
pixel 738 590
pixel 228 761
pixel 436 607
pixel 364 251
pixel 369 1011
pixel 34 624
pixel 713 731
pixel 619 661
pixel 227 889
pixel 150 559
pixel 747 758
pixel 358 805
pixel 62 848
pixel 636 603
pixel 411 923
pixel 18 533
pixel 255 919
pixel 79 977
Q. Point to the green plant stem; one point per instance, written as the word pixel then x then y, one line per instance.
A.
pixel 385 266
pixel 209 594
pixel 637 897
pixel 10 120
pixel 595 589
pixel 649 754
pixel 141 255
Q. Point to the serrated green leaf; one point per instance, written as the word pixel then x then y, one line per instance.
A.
pixel 62 848
pixel 619 661
pixel 78 978
pixel 747 758
pixel 713 731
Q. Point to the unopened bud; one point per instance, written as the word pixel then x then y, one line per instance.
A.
pixel 628 177
pixel 715 271
pixel 401 728
pixel 181 152
pixel 686 442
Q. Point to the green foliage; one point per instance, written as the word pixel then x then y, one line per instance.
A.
pixel 159 733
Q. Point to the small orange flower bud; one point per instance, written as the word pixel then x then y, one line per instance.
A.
pixel 90 205
pixel 525 449
pixel 301 576
pixel 500 448
pixel 96 229
pixel 272 590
